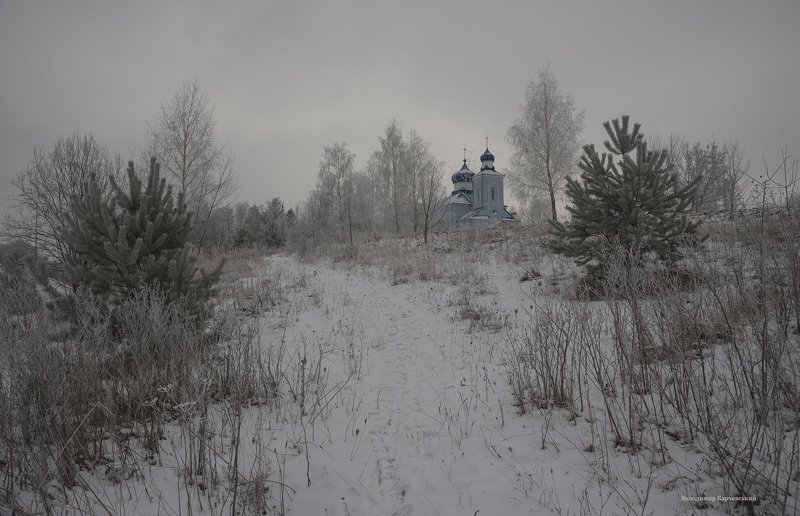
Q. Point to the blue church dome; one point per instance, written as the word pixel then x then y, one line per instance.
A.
pixel 487 156
pixel 463 175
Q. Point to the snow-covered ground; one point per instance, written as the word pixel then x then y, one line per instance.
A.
pixel 425 422
pixel 395 400
pixel 420 430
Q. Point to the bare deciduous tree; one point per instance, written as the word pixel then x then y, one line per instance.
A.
pixel 676 146
pixel 778 185
pixel 392 192
pixel 721 168
pixel 415 159
pixel 221 228
pixel 46 188
pixel 184 141
pixel 736 168
pixel 705 164
pixel 431 193
pixel 390 157
pixel 545 139
pixel 335 182
pixel 366 191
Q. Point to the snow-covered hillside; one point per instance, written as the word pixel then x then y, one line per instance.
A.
pixel 425 422
pixel 381 381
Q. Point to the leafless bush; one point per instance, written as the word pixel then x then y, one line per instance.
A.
pixel 479 314
pixel 544 359
pixel 526 251
pixel 253 295
pixel 90 396
pixel 717 367
pixel 749 415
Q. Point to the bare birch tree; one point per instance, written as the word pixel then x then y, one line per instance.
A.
pixel 736 168
pixel 721 168
pixel 415 159
pixel 46 188
pixel 706 165
pixel 390 157
pixel 372 184
pixel 779 184
pixel 335 182
pixel 431 193
pixel 544 139
pixel 184 141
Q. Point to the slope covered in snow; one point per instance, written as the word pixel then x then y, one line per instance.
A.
pixel 460 377
pixel 426 423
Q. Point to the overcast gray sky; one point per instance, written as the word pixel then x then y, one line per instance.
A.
pixel 290 77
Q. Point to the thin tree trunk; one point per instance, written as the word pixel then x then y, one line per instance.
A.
pixel 552 191
pixel 349 217
pixel 396 204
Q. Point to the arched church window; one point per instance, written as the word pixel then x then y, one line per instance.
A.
pixel 492 193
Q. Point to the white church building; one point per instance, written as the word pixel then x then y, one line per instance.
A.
pixel 477 198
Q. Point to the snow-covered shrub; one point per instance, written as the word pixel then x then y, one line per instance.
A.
pixel 543 358
pixel 77 398
pixel 717 367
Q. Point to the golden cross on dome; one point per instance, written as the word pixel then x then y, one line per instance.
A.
pixel 487 143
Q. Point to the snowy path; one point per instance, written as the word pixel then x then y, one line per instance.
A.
pixel 408 411
pixel 426 424
pixel 413 436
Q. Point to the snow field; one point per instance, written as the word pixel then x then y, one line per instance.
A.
pixel 428 426
pixel 377 383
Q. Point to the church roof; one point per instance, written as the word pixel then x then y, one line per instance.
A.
pixel 463 175
pixel 487 160
pixel 460 197
pixel 486 213
pixel 489 172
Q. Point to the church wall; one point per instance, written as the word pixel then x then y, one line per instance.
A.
pixel 456 212
pixel 483 191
